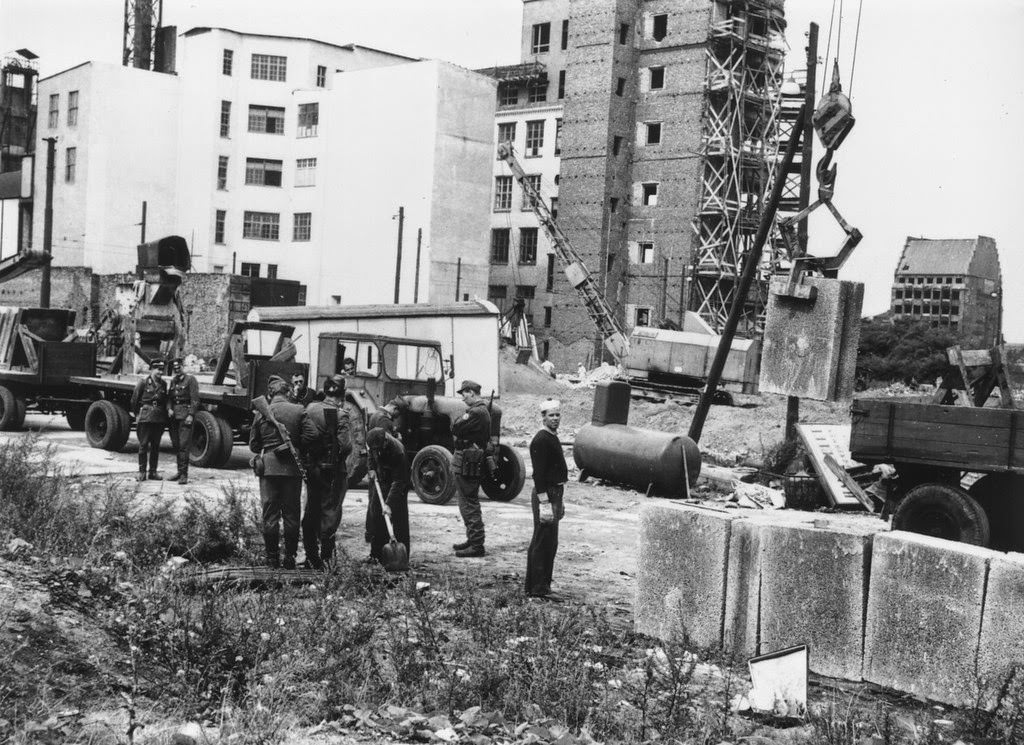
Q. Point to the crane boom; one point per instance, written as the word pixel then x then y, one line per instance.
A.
pixel 615 340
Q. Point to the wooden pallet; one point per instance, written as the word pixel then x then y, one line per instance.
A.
pixel 821 440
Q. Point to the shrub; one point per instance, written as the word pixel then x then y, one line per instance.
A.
pixel 902 351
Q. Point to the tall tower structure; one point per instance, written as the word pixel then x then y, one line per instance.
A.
pixel 18 105
pixel 142 22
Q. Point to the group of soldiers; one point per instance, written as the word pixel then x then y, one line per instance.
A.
pixel 160 405
pixel 302 435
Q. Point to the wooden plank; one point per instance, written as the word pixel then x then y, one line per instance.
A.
pixel 873 409
pixel 969 357
pixel 29 346
pixel 849 483
pixel 830 439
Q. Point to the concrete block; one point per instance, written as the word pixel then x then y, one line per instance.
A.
pixel 681 572
pixel 924 615
pixel 813 587
pixel 1000 649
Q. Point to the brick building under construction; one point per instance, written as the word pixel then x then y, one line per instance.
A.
pixel 665 124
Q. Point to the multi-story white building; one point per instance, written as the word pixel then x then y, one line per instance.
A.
pixel 277 156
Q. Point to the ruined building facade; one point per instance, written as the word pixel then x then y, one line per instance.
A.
pixel 651 127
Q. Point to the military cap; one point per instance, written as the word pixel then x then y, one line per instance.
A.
pixel 469 385
pixel 375 438
pixel 334 384
pixel 277 385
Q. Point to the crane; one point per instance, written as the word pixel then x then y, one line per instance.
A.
pixel 615 339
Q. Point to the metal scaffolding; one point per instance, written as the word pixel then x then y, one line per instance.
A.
pixel 743 123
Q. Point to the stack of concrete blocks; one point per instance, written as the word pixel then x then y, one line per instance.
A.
pixel 810 346
pixel 938 619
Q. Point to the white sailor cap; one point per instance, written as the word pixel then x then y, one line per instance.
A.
pixel 551 403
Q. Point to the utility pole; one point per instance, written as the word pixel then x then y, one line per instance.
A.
pixel 398 258
pixel 806 156
pixel 416 285
pixel 142 239
pixel 458 278
pixel 44 285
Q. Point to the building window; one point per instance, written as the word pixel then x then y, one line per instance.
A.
pixel 623 33
pixel 613 204
pixel 222 172
pixel 502 193
pixel 659 26
pixel 54 110
pixel 651 133
pixel 643 317
pixel 649 194
pixel 269 119
pixel 262 172
pixel 500 239
pixel 225 118
pixel 534 138
pixel 508 94
pixel 645 253
pixel 565 34
pixel 527 292
pixel 269 67
pixel 550 286
pixel 561 84
pixel 616 144
pixel 271 271
pixel 655 78
pixel 218 268
pixel 620 86
pixel 302 226
pixel 537 91
pixel 305 172
pixel 71 155
pixel 309 119
pixel 228 61
pixel 262 225
pixel 72 108
pixel 528 246
pixel 321 76
pixel 218 226
pixel 497 292
pixel 506 133
pixel 532 180
pixel 250 269
pixel 553 203
pixel 541 41
pixel 547 316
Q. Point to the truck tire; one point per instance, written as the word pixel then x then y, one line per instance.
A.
pixel 505 485
pixel 207 441
pixel 75 414
pixel 107 425
pixel 433 477
pixel 1001 495
pixel 9 410
pixel 942 511
pixel 227 435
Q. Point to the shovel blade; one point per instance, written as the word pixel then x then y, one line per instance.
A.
pixel 395 557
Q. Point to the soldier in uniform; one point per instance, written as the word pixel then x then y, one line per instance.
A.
pixel 327 442
pixel 281 479
pixel 472 432
pixel 149 404
pixel 390 467
pixel 184 403
pixel 301 393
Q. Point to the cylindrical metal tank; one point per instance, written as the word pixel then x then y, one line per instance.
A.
pixel 611 402
pixel 638 457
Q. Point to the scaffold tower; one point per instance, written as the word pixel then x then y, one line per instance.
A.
pixel 743 122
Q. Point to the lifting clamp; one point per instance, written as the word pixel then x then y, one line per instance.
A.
pixel 833 120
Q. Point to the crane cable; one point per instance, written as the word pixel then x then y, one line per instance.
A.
pixel 856 41
pixel 839 38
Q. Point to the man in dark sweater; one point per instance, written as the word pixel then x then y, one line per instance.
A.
pixel 549 476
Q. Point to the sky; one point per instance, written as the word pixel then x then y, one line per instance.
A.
pixel 937 92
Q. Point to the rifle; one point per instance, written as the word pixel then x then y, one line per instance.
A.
pixel 261 405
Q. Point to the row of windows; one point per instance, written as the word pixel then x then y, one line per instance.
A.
pixel 264 226
pixel 498 294
pixel 927 309
pixel 251 269
pixel 501 241
pixel 652 79
pixel 655 27
pixel 268 67
pixel 534 136
pixel 267 172
pixel 944 293
pixel 270 119
pixel 929 280
pixel 54 118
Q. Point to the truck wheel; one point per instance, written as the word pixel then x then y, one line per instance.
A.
pixel 75 414
pixel 227 438
pixel 942 511
pixel 1002 498
pixel 207 440
pixel 505 485
pixel 9 410
pixel 107 425
pixel 432 475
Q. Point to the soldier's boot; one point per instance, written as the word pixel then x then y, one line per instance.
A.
pixel 461 546
pixel 154 476
pixel 273 558
pixel 141 476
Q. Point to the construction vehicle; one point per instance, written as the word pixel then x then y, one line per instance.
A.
pixel 405 374
pixel 651 361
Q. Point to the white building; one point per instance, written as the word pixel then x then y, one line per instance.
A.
pixel 281 157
